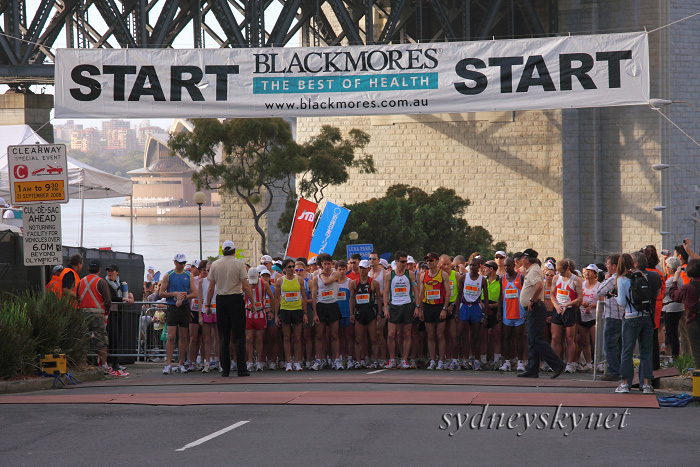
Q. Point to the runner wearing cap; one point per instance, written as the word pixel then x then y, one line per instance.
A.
pixel 587 315
pixel 377 274
pixel 566 298
pixel 313 267
pixel 324 294
pixel 451 350
pixel 207 319
pixel 363 292
pixel 401 305
pixel 434 292
pixel 290 297
pixel 500 258
pixel 177 288
pixel 256 319
pixel 513 316
pixel 271 335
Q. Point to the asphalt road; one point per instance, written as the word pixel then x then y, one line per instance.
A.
pixel 339 435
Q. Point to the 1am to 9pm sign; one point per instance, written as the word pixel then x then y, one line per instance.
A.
pixel 38 173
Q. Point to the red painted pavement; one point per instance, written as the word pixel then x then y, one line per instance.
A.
pixel 348 398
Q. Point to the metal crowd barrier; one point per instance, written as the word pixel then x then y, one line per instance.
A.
pixel 133 334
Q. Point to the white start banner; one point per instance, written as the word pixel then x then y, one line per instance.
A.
pixel 497 75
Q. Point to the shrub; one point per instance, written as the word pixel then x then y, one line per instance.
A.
pixel 16 345
pixel 37 324
pixel 684 363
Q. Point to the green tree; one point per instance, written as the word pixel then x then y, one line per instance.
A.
pixel 410 219
pixel 245 157
pixel 328 157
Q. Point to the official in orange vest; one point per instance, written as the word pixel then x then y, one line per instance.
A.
pixel 54 285
pixel 69 278
pixel 95 302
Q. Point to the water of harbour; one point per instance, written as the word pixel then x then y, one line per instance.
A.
pixel 158 239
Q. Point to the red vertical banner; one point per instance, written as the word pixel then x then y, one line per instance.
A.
pixel 302 229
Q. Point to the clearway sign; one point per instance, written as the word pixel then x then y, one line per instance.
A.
pixel 38 173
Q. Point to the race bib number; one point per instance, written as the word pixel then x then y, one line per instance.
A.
pixel 547 295
pixel 511 293
pixel 362 299
pixel 213 308
pixel 258 306
pixel 432 294
pixel 291 296
pixel 267 303
pixel 327 296
pixel 471 290
pixel 341 296
pixel 562 296
pixel 401 291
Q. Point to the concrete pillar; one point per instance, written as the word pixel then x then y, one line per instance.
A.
pixel 18 108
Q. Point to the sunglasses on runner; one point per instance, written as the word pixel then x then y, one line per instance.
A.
pixel 299 270
pixel 403 261
pixel 374 259
pixel 289 267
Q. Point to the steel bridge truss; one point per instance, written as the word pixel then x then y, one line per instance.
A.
pixel 28 43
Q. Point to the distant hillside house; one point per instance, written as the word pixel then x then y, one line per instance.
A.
pixel 164 187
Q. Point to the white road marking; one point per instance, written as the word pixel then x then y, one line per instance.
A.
pixel 376 371
pixel 213 435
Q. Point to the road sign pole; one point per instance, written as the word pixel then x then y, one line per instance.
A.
pixel 42 275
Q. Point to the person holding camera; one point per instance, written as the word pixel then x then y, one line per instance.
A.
pixel 613 313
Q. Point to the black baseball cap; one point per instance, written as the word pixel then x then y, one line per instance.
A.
pixel 530 253
pixel 431 255
pixel 94 263
pixel 112 267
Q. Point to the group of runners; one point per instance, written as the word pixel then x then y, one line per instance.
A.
pixel 442 313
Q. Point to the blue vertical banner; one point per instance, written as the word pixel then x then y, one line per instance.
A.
pixel 328 229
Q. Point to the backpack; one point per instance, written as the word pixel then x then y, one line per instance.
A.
pixel 640 296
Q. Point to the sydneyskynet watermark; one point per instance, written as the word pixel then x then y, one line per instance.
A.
pixel 521 422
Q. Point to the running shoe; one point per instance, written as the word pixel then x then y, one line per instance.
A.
pixel 647 389
pixel 297 366
pixel 586 367
pixel 432 365
pixel 623 388
pixel 283 364
pixel 206 368
pixel 382 363
pixel 271 366
pixel 249 366
pixel 391 365
pixel 373 366
pixel 570 368
pixel 350 364
pixel 288 367
pixel 412 364
pixel 167 370
pixel 308 364
pixel 338 365
pixel 506 366
pixel 477 365
pixel 316 366
pixel 191 367
pixel 124 373
pixel 234 367
pixel 359 365
pixel 259 366
pixel 106 369
pixel 521 366
pixel 181 369
pixel 453 366
pixel 545 367
pixel 121 368
pixel 600 368
pixel 465 364
pixel 198 366
pixel 404 365
pixel 440 365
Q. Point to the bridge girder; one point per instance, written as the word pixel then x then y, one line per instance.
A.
pixel 27 44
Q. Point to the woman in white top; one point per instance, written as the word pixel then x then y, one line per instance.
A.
pixel 207 319
pixel 587 315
